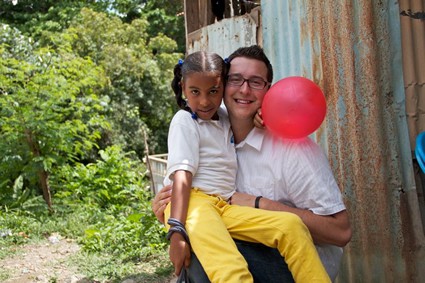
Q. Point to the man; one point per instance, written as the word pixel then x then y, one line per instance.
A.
pixel 274 174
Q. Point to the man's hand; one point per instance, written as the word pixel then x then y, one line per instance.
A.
pixel 160 202
pixel 243 199
pixel 179 253
pixel 258 120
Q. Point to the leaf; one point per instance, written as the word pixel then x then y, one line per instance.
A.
pixel 17 187
pixel 91 233
pixel 135 217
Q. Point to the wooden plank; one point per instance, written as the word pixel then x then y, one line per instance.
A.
pixel 191 15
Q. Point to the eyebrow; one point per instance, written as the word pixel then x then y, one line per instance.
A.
pixel 253 77
pixel 212 87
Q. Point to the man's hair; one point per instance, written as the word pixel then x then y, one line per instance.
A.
pixel 253 52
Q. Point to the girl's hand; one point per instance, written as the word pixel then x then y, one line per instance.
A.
pixel 258 120
pixel 160 202
pixel 179 253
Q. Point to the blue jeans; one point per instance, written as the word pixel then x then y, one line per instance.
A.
pixel 265 264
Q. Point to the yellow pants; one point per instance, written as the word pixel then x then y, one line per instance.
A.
pixel 212 223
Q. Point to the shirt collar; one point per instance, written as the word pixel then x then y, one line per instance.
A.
pixel 254 139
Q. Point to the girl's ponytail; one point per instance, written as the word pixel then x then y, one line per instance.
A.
pixel 177 88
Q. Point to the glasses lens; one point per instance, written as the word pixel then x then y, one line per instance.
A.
pixel 235 80
pixel 256 83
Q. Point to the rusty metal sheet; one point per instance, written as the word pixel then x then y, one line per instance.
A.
pixel 412 21
pixel 352 49
pixel 225 36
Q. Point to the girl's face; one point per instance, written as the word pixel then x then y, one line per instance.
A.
pixel 204 92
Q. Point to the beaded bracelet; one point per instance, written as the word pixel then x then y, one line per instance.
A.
pixel 177 226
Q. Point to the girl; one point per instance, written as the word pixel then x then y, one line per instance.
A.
pixel 202 166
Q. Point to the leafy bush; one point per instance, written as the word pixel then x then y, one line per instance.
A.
pixel 114 191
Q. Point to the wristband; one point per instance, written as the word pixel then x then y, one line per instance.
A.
pixel 177 226
pixel 257 202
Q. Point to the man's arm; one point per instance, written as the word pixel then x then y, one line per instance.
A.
pixel 332 229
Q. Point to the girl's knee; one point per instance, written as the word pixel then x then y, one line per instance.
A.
pixel 294 221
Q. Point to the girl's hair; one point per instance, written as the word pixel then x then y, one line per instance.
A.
pixel 196 62
pixel 253 52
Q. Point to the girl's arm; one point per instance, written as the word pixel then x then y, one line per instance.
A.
pixel 179 249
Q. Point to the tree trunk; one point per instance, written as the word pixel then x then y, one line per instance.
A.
pixel 43 175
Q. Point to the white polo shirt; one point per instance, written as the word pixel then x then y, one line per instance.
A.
pixel 204 148
pixel 293 172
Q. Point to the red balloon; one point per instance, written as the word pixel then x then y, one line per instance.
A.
pixel 293 108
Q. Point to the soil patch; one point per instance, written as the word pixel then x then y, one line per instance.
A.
pixel 43 262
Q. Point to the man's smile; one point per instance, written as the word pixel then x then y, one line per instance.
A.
pixel 243 101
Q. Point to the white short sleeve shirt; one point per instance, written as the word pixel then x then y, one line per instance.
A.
pixel 204 148
pixel 294 172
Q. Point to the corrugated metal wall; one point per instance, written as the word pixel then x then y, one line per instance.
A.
pixel 225 36
pixel 352 49
pixel 412 22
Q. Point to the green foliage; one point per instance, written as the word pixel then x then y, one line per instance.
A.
pixel 128 238
pixel 166 17
pixel 43 16
pixel 17 197
pixel 50 112
pixel 139 68
pixel 133 41
pixel 104 267
pixel 106 206
pixel 113 180
pixel 76 77
pixel 112 189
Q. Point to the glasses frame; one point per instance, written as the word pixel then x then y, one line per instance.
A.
pixel 248 81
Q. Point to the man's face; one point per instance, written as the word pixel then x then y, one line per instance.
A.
pixel 242 101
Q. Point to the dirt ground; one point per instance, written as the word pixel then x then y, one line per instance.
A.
pixel 44 262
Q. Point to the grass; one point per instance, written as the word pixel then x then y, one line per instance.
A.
pixel 100 265
pixel 102 206
pixel 105 268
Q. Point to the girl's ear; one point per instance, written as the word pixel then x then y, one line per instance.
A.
pixel 181 83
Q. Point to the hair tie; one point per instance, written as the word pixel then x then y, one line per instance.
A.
pixel 180 62
pixel 226 60
pixel 194 116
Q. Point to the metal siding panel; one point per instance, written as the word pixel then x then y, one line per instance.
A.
pixel 352 50
pixel 413 33
pixel 225 36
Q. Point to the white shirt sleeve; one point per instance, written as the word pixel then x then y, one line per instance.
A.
pixel 183 146
pixel 309 178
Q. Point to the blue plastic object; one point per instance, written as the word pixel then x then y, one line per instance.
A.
pixel 420 150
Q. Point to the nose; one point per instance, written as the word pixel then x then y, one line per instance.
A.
pixel 244 88
pixel 204 102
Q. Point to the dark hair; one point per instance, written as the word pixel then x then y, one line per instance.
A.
pixel 253 52
pixel 196 62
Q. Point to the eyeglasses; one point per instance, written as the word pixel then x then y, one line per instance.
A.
pixel 254 83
